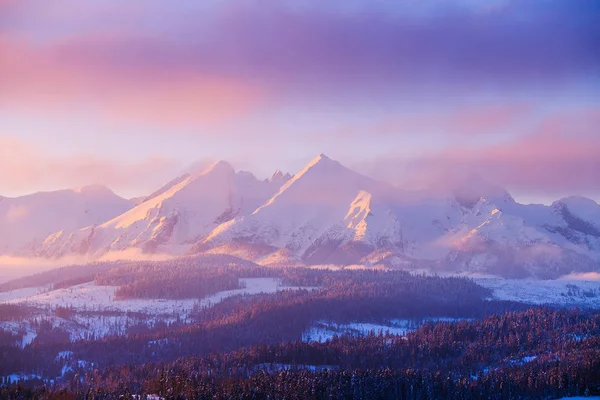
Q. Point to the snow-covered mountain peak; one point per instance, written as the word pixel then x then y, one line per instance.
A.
pixel 218 167
pixel 321 164
pixel 472 188
pixel 582 208
pixel 94 190
pixel 581 203
pixel 279 177
pixel 325 213
pixel 164 188
pixel 323 182
pixel 322 204
pixel 213 182
pixel 179 214
pixel 321 159
pixel 27 220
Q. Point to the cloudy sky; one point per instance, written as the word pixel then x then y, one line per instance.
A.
pixel 130 93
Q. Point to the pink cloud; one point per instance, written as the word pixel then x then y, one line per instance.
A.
pixel 461 121
pixel 318 51
pixel 28 167
pixel 485 119
pixel 68 76
pixel 561 156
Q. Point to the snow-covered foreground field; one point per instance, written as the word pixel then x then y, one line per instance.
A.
pixel 98 314
pixel 90 297
pixel 563 292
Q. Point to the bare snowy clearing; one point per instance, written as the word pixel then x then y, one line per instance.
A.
pixel 323 330
pixel 89 301
pixel 564 292
pixel 90 297
pixel 8 297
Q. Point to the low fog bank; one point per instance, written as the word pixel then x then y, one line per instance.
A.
pixel 583 276
pixel 18 267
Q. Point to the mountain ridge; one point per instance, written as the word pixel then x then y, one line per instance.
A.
pixel 25 220
pixel 178 214
pixel 327 213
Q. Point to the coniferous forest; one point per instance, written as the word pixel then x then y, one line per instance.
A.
pixel 460 343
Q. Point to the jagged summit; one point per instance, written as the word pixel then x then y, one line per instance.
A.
pixel 311 205
pixel 322 181
pixel 180 213
pixel 280 177
pixel 321 159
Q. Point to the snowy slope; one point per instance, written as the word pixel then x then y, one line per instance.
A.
pixel 580 214
pixel 25 221
pixel 86 298
pixel 163 189
pixel 329 214
pixel 179 214
pixel 522 240
pixel 321 206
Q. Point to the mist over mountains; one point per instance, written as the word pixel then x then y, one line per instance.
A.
pixel 324 214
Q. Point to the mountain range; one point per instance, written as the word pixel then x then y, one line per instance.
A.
pixel 324 214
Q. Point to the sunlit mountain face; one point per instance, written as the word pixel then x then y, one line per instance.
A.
pixel 297 199
pixel 324 214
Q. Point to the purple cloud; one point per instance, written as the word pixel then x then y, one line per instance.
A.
pixel 320 49
pixel 562 155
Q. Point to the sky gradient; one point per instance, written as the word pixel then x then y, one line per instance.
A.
pixel 129 94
